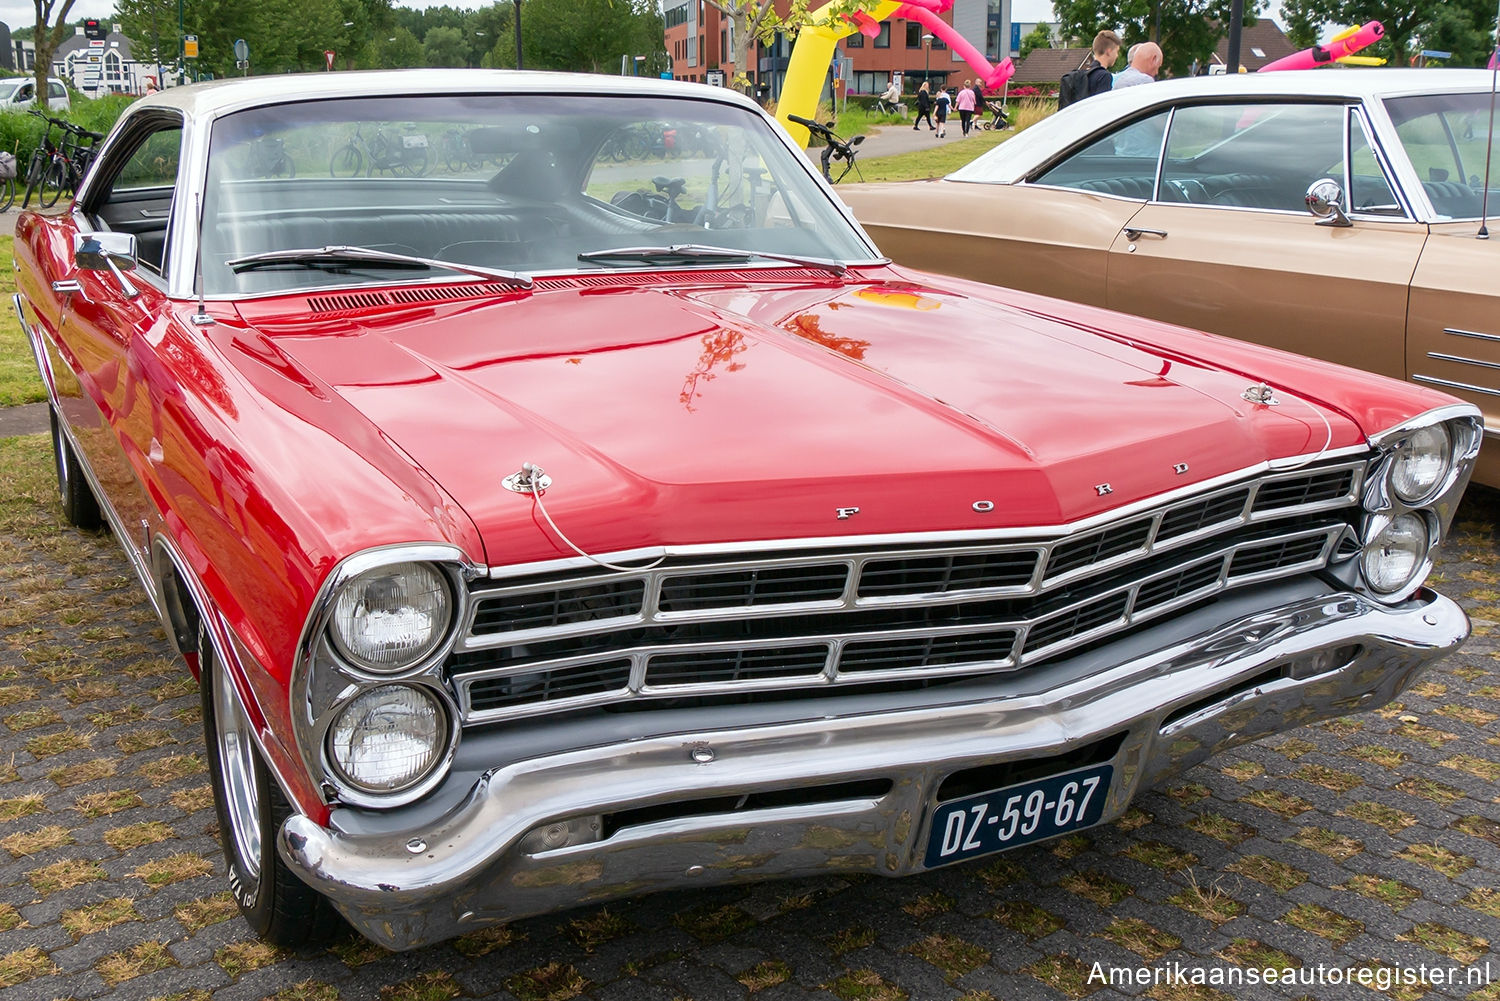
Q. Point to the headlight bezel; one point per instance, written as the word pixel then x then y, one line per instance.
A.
pixel 1398 455
pixel 1375 527
pixel 1383 504
pixel 323 681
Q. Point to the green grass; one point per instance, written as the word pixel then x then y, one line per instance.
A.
pixel 924 163
pixel 19 382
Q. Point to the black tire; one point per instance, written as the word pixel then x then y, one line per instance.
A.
pixel 7 194
pixel 277 906
pixel 33 176
pixel 79 505
pixel 347 162
pixel 282 166
pixel 54 179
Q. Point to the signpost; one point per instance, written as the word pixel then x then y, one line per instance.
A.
pixel 242 56
pixel 328 56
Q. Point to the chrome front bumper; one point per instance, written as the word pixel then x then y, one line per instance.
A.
pixel 1172 708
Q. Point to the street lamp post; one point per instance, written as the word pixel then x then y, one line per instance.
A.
pixel 927 70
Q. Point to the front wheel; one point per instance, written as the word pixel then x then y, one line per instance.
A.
pixel 278 906
pixel 33 176
pixel 7 194
pixel 346 162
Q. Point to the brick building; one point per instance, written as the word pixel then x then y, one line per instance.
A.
pixel 698 38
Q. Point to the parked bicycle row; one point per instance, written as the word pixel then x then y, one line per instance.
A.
pixel 58 165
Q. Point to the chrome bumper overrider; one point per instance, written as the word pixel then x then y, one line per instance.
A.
pixel 1173 707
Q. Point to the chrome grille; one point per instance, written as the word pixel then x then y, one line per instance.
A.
pixel 789 621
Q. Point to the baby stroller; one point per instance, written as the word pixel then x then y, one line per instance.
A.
pixel 999 121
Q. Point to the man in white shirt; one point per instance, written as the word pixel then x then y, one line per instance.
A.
pixel 1145 63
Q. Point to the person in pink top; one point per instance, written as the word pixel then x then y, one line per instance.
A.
pixel 966 105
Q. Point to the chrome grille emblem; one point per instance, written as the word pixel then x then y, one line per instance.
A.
pixel 845 513
pixel 1180 468
pixel 1104 488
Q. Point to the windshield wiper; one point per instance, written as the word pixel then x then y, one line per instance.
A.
pixel 704 252
pixel 314 256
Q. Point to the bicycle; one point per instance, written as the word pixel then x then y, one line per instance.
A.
pixel 268 158
pixel 380 153
pixel 7 180
pixel 842 150
pixel 457 153
pixel 46 175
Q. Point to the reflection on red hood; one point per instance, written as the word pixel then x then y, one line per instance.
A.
pixel 706 414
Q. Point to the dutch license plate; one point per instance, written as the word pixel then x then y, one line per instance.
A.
pixel 1031 811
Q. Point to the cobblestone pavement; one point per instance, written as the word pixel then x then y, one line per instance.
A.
pixel 1371 841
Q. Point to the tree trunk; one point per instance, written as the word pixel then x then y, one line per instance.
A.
pixel 742 40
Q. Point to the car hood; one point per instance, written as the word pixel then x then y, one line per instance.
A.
pixel 718 413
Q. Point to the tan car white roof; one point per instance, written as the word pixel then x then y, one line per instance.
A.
pixel 1016 157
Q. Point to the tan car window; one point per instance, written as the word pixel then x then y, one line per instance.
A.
pixel 1260 156
pixel 1369 191
pixel 1122 163
pixel 1445 136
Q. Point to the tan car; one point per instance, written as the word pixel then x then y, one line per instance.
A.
pixel 1330 212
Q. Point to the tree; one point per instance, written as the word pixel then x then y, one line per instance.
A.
pixel 1463 27
pixel 445 46
pixel 586 34
pixel 1190 29
pixel 399 50
pixel 1039 37
pixel 49 34
pixel 752 20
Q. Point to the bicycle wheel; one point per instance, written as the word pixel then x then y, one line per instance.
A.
pixel 414 161
pixel 54 179
pixel 7 194
pixel 453 153
pixel 347 162
pixel 282 166
pixel 33 176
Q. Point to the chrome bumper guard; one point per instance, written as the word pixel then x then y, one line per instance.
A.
pixel 1261 674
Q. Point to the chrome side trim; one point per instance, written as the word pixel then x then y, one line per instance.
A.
pixel 1471 333
pixel 1295 463
pixel 640 655
pixel 1433 380
pixel 38 352
pixel 1440 356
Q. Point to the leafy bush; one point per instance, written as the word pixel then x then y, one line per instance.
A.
pixel 21 133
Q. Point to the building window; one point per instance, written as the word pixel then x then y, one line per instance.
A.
pixel 855 41
pixel 883 40
pixel 913 35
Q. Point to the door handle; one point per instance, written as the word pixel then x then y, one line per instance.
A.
pixel 1133 233
pixel 67 286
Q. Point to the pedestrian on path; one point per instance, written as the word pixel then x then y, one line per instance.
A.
pixel 966 105
pixel 924 107
pixel 940 107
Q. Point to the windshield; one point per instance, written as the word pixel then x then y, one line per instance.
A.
pixel 520 183
pixel 9 88
pixel 1447 138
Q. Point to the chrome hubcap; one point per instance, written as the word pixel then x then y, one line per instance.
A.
pixel 237 763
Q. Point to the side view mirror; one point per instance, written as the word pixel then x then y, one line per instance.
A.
pixel 112 252
pixel 1325 199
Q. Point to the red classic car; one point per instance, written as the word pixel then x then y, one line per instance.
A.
pixel 549 520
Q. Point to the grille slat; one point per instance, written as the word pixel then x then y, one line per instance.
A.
pixel 785 624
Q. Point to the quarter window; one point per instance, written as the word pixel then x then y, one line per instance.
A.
pixel 1369 191
pixel 1261 156
pixel 1122 163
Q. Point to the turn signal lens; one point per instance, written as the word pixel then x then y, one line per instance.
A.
pixel 1421 463
pixel 390 618
pixel 1396 554
pixel 388 738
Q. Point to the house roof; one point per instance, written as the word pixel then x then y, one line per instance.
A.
pixel 1048 65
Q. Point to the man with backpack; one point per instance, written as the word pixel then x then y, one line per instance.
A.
pixel 1092 75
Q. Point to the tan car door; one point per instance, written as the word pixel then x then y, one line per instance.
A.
pixel 1229 246
pixel 1051 236
pixel 1453 327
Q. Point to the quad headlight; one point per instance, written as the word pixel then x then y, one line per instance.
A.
pixel 1396 553
pixel 1420 463
pixel 389 738
pixel 392 617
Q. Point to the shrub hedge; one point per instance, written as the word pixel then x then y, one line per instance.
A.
pixel 20 133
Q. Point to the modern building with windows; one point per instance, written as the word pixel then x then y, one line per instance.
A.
pixel 700 38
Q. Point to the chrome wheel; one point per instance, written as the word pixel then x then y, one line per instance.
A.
pixel 237 766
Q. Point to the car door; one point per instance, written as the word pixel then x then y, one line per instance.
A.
pixel 110 318
pixel 1050 234
pixel 1227 244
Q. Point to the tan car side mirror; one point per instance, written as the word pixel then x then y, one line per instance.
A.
pixel 1325 199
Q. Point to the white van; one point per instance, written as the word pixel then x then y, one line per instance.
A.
pixel 17 93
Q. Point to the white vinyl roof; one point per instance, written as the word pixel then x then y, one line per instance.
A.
pixel 1016 157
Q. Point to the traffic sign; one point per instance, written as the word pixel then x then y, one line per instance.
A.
pixel 241 50
pixel 328 55
pixel 190 46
